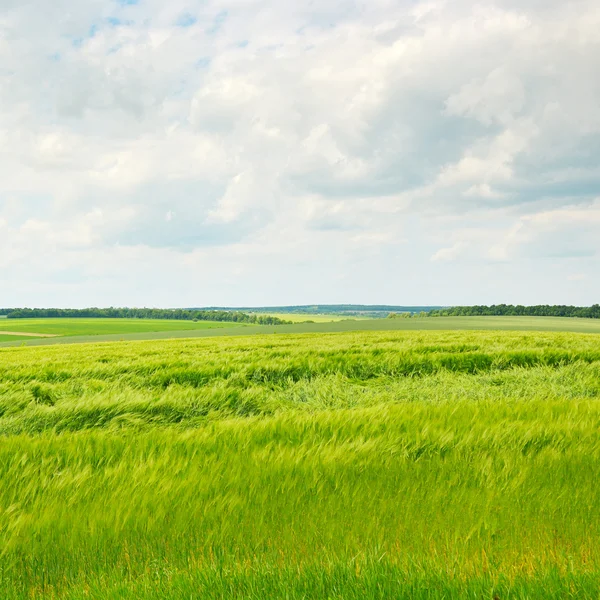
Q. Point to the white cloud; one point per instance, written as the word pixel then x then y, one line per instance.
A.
pixel 239 136
pixel 451 253
pixel 569 232
pixel 498 98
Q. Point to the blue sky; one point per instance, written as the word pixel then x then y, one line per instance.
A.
pixel 251 152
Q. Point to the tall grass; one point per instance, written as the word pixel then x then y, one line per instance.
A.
pixel 372 465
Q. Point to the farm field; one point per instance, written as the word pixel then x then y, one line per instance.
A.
pixel 87 327
pixel 13 338
pixel 356 465
pixel 303 318
pixel 181 329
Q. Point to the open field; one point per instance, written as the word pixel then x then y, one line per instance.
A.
pixel 303 318
pixel 24 335
pixel 346 466
pixel 87 327
pixel 5 337
pixel 181 329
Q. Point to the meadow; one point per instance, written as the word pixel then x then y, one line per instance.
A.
pixel 13 338
pixel 392 464
pixel 87 327
pixel 77 330
pixel 310 318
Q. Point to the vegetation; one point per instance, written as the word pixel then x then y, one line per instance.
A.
pixel 93 327
pixel 279 315
pixel 141 313
pixel 315 318
pixel 375 311
pixel 92 330
pixel 12 338
pixel 355 465
pixel 541 310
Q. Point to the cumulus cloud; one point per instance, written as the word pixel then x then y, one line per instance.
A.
pixel 569 232
pixel 268 151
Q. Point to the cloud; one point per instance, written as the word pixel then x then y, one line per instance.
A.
pixel 451 253
pixel 496 99
pixel 339 138
pixel 569 232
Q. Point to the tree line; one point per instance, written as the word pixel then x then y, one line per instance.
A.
pixel 539 310
pixel 142 313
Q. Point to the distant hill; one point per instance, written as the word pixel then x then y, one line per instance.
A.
pixel 350 310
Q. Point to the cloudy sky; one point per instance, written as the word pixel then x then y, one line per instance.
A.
pixel 248 152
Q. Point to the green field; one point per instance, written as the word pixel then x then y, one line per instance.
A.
pixel 362 465
pixel 303 318
pixel 13 338
pixel 87 327
pixel 92 330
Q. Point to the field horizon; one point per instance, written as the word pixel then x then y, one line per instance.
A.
pixel 139 329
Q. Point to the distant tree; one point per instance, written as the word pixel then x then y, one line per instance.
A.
pixel 540 310
pixel 144 313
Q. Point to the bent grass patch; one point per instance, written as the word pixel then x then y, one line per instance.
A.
pixel 363 465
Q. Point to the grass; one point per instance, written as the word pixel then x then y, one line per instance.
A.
pixel 13 338
pixel 353 465
pixel 87 327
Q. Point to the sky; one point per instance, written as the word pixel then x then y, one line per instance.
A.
pixel 264 152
